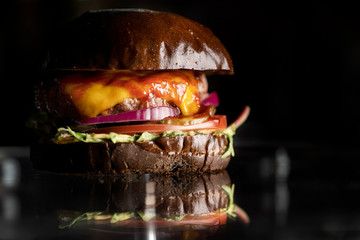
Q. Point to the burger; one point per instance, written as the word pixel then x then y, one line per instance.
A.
pixel 166 205
pixel 125 91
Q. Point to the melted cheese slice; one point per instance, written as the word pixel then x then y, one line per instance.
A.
pixel 92 94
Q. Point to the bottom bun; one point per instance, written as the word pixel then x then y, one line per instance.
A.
pixel 166 155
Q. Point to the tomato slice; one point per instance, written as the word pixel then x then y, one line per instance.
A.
pixel 218 122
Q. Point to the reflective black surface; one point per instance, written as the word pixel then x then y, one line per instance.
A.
pixel 289 192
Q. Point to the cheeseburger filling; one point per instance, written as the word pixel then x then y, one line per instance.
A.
pixel 107 93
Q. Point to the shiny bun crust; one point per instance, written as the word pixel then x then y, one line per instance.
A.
pixel 128 39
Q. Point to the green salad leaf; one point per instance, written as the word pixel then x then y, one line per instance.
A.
pixel 173 133
pixel 67 135
pixel 231 208
pixel 88 137
pixel 121 216
pixel 82 217
pixel 146 136
pixel 115 137
pixel 146 216
pixel 231 130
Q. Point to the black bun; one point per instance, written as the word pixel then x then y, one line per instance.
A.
pixel 131 39
pixel 166 155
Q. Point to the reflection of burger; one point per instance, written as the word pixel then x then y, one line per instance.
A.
pixel 127 92
pixel 170 204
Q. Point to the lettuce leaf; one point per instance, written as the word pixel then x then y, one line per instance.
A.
pixel 115 137
pixel 67 135
pixel 231 208
pixel 83 217
pixel 146 136
pixel 229 132
pixel 117 217
pixel 88 137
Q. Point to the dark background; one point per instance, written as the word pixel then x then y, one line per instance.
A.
pixel 297 64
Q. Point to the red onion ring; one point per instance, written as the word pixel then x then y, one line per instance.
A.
pixel 146 114
pixel 212 99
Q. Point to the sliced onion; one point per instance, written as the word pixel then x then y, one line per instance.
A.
pixel 146 114
pixel 212 99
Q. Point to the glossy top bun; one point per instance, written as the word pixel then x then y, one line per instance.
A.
pixel 135 39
